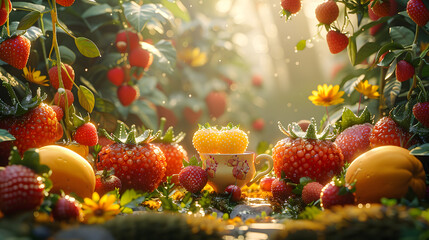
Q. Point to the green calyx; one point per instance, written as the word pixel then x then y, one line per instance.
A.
pixel 19 107
pixel 295 131
pixel 345 188
pixel 31 160
pixel 193 161
pixel 169 136
pixel 131 136
pixel 348 119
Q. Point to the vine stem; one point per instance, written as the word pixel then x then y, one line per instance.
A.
pixel 327 115
pixel 381 99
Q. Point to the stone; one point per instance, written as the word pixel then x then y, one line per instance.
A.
pixel 84 233
pixel 245 211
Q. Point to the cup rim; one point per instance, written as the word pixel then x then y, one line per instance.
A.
pixel 228 154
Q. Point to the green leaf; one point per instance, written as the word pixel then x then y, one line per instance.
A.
pixel 86 98
pixel 391 91
pixel 349 118
pixel 31 159
pixel 104 105
pixel 33 33
pixel 422 150
pixel 177 9
pixel 139 16
pixel 352 49
pixel 97 10
pixel 164 56
pixel 67 55
pixel 301 45
pixel 87 47
pixel 366 50
pixel 263 147
pixel 5 136
pixel 28 20
pixel 387 60
pixel 28 6
pixel 402 35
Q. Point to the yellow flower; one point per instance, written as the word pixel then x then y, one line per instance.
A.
pixel 151 204
pixel 327 95
pixel 34 76
pixel 98 210
pixel 367 89
pixel 193 57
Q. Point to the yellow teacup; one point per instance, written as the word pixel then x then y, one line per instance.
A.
pixel 235 169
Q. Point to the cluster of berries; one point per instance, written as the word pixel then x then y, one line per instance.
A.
pixel 138 60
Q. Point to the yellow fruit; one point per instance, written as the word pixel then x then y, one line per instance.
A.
pixel 232 140
pixel 205 139
pixel 82 150
pixel 386 171
pixel 70 171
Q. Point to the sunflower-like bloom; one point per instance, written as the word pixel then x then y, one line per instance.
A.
pixel 327 95
pixel 34 76
pixel 193 57
pixel 367 89
pixel 98 210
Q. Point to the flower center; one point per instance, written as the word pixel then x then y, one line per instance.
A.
pixel 99 212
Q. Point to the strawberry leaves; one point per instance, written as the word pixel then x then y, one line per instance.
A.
pixel 348 119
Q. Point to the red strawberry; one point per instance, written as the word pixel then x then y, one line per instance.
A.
pixel 67 76
pixel 137 162
pixel 86 134
pixel 21 189
pixel 4 14
pixel 258 124
pixel 36 128
pixel 335 193
pixel 257 80
pixel 311 192
pixel 421 112
pixel 387 132
pixel 404 71
pixel 354 141
pixel 381 8
pixel 127 94
pixel 15 51
pixel 103 141
pixel 174 156
pixel 281 190
pixel 291 6
pixel 127 39
pixel 193 178
pixel 337 41
pixel 116 76
pixel 60 99
pixel 58 111
pixel 192 116
pixel 418 12
pixel 265 183
pixel 66 209
pixel 234 191
pixel 140 57
pixel 106 182
pixel 65 3
pixel 216 103
pixel 327 12
pixel 311 155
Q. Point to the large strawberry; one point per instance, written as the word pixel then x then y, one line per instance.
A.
pixel 418 12
pixel 337 41
pixel 5 9
pixel 65 3
pixel 15 51
pixel 232 140
pixel 354 140
pixel 32 123
pixel 307 154
pixel 421 112
pixel 174 153
pixel 327 12
pixel 387 132
pixel 67 76
pixel 22 183
pixel 137 162
pixel 216 103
